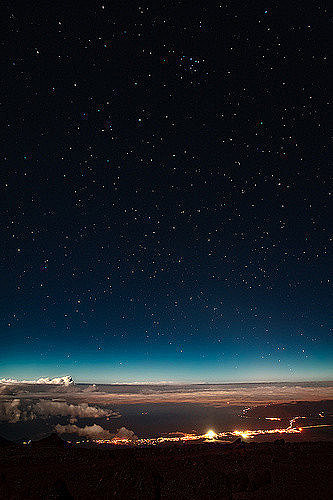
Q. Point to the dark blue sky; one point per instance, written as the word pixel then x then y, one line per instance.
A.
pixel 165 192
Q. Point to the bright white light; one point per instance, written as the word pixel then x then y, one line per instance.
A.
pixel 210 434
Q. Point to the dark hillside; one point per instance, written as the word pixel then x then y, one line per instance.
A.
pixel 240 471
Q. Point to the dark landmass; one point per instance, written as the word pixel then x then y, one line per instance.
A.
pixel 291 409
pixel 51 468
pixel 5 442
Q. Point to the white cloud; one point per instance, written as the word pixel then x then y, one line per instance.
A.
pixel 96 432
pixel 89 431
pixel 124 433
pixel 66 380
pixel 45 407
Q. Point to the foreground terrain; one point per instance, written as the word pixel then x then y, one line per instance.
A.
pixel 51 469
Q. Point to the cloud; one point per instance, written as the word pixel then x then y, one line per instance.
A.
pixel 89 431
pixel 45 407
pixel 10 411
pixel 124 433
pixel 91 388
pixel 66 380
pixel 5 390
pixel 96 432
pixel 210 393
pixel 19 410
pixel 13 412
pixel 196 393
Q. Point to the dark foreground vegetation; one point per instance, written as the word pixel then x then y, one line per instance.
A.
pixel 50 469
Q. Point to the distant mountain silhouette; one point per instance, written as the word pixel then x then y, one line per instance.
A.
pixel 53 440
pixel 5 442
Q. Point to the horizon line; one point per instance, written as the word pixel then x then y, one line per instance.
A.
pixel 155 382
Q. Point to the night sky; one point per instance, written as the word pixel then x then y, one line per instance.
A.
pixel 165 191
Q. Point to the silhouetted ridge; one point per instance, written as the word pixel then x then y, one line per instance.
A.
pixel 51 440
pixel 5 442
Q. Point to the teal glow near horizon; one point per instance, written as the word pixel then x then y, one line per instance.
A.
pixel 187 365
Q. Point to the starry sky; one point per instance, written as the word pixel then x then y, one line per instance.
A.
pixel 165 191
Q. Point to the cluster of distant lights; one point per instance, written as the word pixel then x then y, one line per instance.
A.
pixel 209 436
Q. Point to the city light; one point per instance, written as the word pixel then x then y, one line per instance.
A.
pixel 209 435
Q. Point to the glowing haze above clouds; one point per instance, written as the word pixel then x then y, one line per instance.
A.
pixel 135 393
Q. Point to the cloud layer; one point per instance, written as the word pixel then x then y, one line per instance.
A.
pixel 19 410
pixel 196 393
